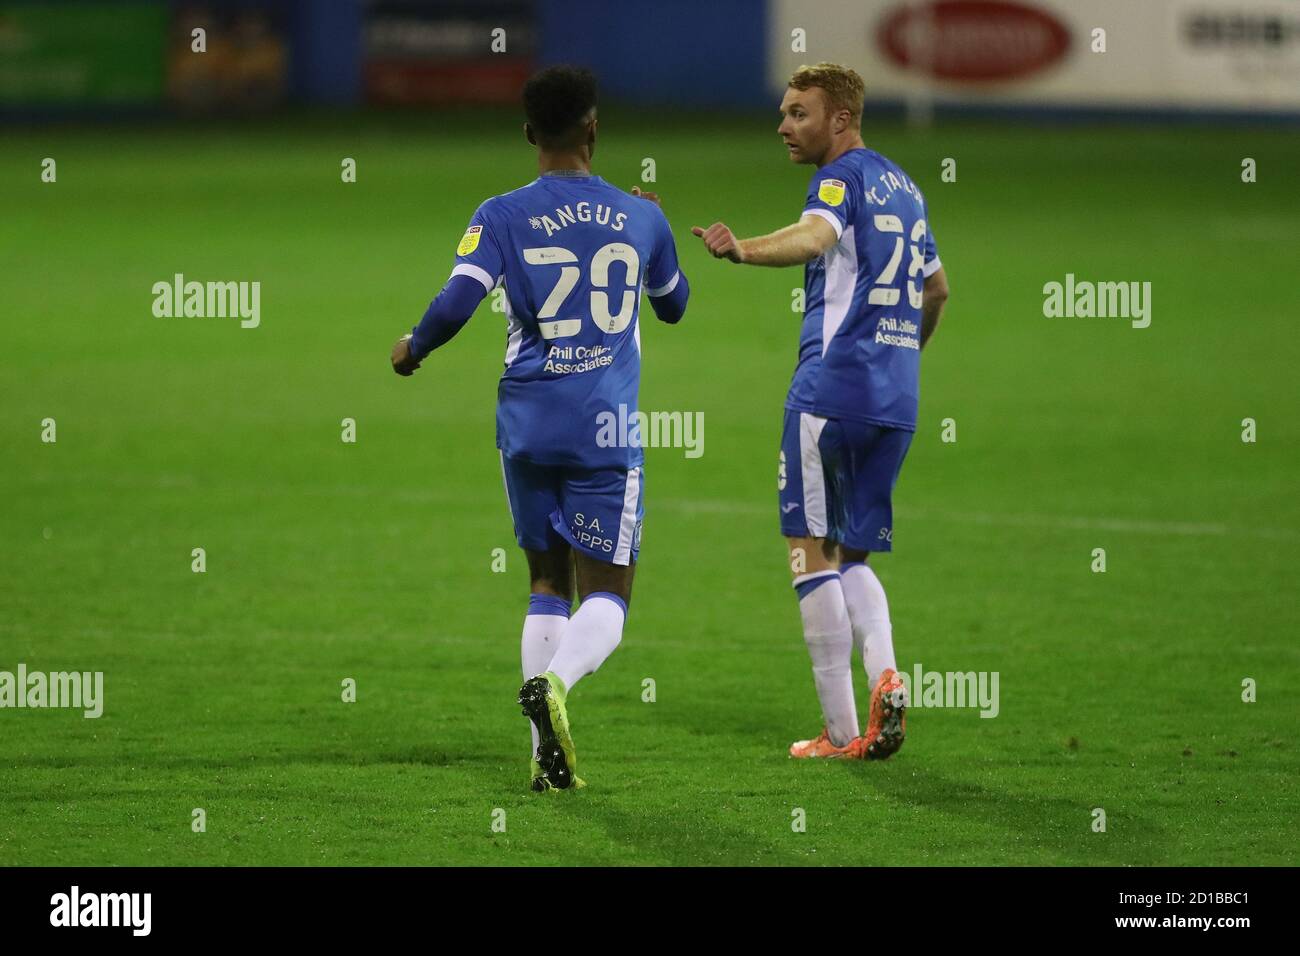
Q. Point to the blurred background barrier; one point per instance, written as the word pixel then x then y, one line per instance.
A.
pixel 1198 55
pixel 1171 56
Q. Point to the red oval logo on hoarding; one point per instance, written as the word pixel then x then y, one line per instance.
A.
pixel 973 39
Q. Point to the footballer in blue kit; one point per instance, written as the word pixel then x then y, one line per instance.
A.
pixel 874 290
pixel 573 255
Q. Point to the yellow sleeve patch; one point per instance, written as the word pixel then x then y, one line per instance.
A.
pixel 469 242
pixel 831 192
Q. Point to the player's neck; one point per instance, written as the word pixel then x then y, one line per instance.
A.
pixel 578 160
pixel 838 149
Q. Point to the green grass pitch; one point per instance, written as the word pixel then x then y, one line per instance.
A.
pixel 373 561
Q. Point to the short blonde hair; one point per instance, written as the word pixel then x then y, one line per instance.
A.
pixel 843 87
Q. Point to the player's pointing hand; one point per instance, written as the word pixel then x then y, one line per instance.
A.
pixel 653 197
pixel 720 241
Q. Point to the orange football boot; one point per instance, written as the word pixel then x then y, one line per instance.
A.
pixel 887 719
pixel 821 746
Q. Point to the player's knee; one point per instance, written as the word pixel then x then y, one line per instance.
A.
pixel 620 584
pixel 595 575
pixel 551 572
pixel 853 556
pixel 560 589
pixel 623 591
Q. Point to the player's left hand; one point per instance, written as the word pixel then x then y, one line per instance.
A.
pixel 653 197
pixel 403 362
pixel 720 241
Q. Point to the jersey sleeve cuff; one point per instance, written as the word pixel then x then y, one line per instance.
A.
pixel 829 217
pixel 931 267
pixel 665 288
pixel 475 272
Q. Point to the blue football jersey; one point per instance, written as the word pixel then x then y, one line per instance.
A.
pixel 574 255
pixel 860 345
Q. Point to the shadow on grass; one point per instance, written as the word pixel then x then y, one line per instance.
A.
pixel 1039 828
pixel 1033 823
pixel 655 823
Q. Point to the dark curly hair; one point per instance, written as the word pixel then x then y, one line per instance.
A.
pixel 556 101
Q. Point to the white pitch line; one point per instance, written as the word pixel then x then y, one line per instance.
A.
pixel 1054 522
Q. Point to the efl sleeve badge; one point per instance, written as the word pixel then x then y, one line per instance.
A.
pixel 831 192
pixel 469 242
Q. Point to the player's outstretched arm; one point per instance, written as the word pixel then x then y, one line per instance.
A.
pixel 933 295
pixel 446 315
pixel 794 245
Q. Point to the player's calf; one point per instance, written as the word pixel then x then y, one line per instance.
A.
pixel 591 635
pixel 550 583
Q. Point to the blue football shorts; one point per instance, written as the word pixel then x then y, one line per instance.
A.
pixel 598 512
pixel 836 480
